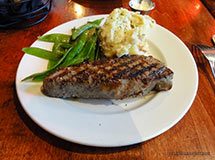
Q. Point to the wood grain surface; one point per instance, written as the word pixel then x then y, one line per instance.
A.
pixel 193 138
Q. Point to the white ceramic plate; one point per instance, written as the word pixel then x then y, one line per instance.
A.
pixel 109 123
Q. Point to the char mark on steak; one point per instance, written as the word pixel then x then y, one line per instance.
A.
pixel 116 78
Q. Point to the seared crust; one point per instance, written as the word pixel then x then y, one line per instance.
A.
pixel 118 78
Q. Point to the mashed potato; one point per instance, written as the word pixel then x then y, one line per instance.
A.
pixel 124 32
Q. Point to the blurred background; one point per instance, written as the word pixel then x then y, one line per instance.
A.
pixel 23 13
pixel 26 13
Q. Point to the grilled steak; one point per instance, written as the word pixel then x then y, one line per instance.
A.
pixel 116 78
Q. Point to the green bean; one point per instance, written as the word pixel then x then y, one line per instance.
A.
pixel 66 45
pixel 41 53
pixel 51 64
pixel 61 48
pixel 92 54
pixel 65 53
pixel 77 48
pixel 57 49
pixel 40 76
pixel 83 55
pixel 56 37
pixel 89 25
pixel 64 61
pixel 97 22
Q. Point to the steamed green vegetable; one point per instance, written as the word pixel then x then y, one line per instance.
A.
pixel 67 50
pixel 89 25
pixel 40 76
pixel 57 49
pixel 97 55
pixel 56 37
pixel 51 64
pixel 77 48
pixel 42 53
pixel 92 54
pixel 66 45
pixel 84 54
pixel 64 61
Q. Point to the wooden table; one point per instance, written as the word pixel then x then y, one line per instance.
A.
pixel 192 138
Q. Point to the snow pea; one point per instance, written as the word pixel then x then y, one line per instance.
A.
pixel 76 50
pixel 83 55
pixel 63 62
pixel 41 53
pixel 97 55
pixel 55 37
pixel 66 45
pixel 51 64
pixel 57 49
pixel 92 54
pixel 61 48
pixel 81 29
pixel 40 76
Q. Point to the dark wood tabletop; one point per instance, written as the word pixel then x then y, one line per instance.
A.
pixel 193 137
